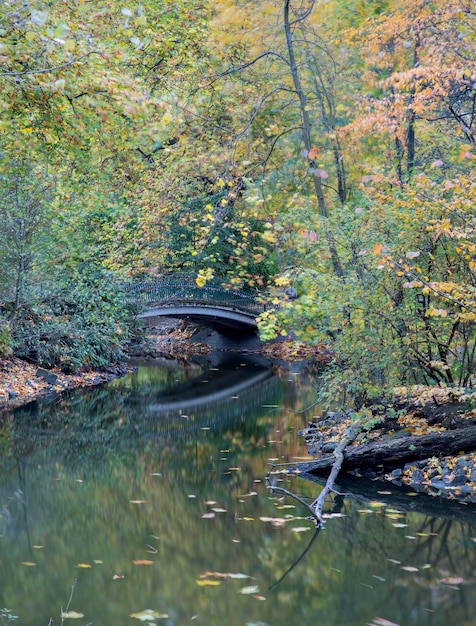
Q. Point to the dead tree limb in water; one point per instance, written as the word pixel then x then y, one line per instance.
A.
pixel 318 504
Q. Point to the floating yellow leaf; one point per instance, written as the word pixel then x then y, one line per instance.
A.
pixel 143 562
pixel 410 568
pixel 208 583
pixel 83 565
pixel 28 563
pixel 72 615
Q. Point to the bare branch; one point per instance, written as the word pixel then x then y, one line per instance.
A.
pixel 50 69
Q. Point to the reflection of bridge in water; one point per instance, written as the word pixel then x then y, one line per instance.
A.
pixel 181 297
pixel 214 399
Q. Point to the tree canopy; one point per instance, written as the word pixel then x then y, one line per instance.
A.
pixel 325 145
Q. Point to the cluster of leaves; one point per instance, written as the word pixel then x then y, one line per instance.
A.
pixel 174 137
pixel 80 327
pixel 5 338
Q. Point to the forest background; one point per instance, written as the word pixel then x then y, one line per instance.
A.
pixel 327 145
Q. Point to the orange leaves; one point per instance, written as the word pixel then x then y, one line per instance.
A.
pixel 313 153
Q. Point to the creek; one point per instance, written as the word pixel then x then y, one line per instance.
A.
pixel 145 500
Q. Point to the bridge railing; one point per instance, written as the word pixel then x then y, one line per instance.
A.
pixel 172 291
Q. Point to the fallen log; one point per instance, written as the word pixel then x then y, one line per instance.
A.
pixel 396 452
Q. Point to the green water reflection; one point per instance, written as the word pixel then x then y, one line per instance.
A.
pixel 105 479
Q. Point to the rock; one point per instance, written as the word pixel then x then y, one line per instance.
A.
pixel 50 377
pixel 473 476
pixel 12 395
pixel 418 477
pixel 459 479
pixel 397 473
pixel 437 483
pixel 461 464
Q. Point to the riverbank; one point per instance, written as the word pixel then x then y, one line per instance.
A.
pixel 425 441
pixel 22 382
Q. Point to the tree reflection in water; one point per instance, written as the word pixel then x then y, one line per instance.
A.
pixel 107 483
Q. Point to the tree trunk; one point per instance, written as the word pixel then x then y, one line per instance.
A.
pixel 306 131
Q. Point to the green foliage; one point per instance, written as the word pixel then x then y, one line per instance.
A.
pixel 82 325
pixel 405 310
pixel 5 337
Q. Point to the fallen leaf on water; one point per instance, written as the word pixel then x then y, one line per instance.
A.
pixel 37 547
pixel 300 529
pixel 410 568
pixel 117 577
pixel 143 562
pixel 217 510
pixel 380 621
pixel 208 515
pixel 28 563
pixel 83 565
pixel 262 598
pixel 399 525
pixel 249 590
pixel 148 615
pixel 452 580
pixel 72 615
pixel 137 501
pixel 207 582
pixel 223 575
pixel 210 502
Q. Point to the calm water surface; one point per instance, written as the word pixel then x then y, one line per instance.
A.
pixel 145 500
